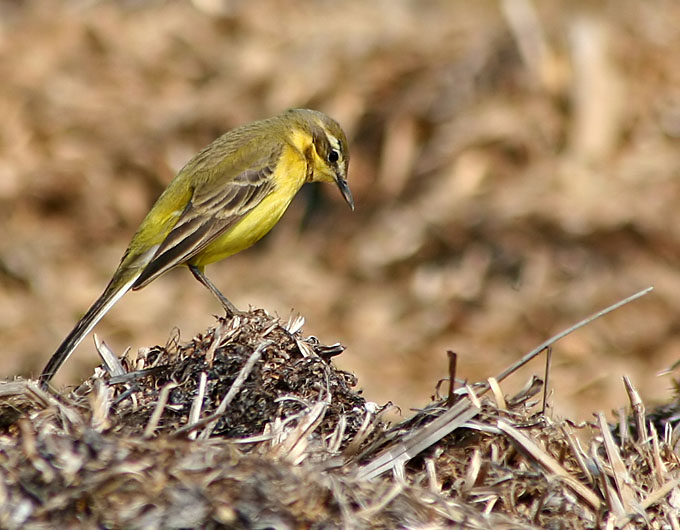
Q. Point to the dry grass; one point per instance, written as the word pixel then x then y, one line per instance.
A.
pixel 251 426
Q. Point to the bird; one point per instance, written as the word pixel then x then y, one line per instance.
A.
pixel 221 202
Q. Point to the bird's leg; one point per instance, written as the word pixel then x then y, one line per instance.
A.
pixel 229 308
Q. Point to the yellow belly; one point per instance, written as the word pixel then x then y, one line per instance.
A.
pixel 289 177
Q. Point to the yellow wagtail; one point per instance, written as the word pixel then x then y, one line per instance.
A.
pixel 222 201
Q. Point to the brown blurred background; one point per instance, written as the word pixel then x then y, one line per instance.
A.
pixel 515 166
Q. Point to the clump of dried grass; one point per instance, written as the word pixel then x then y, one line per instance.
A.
pixel 250 425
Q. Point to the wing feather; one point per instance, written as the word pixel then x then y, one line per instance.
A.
pixel 208 215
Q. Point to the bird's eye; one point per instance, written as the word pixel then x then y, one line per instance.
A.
pixel 333 156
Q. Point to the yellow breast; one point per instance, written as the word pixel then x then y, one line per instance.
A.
pixel 289 176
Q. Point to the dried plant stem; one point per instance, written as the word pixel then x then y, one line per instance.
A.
pixel 233 391
pixel 552 340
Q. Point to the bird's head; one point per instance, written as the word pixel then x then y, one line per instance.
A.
pixel 327 153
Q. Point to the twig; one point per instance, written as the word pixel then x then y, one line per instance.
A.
pixel 12 388
pixel 659 467
pixel 335 440
pixel 533 353
pixel 110 360
pixel 197 403
pixel 292 447
pixel 370 511
pixel 638 410
pixel 546 379
pixel 497 394
pixel 549 463
pixel 158 411
pixel 431 471
pixel 219 333
pixel 100 403
pixel 364 430
pixel 577 451
pixel 235 388
pixel 622 479
pixel 396 454
pixel 611 497
pixel 453 358
pixel 36 392
pixel 655 496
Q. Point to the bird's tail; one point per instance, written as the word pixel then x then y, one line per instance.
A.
pixel 114 291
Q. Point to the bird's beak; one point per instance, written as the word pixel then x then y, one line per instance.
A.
pixel 344 189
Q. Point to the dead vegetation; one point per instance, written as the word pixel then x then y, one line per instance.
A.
pixel 251 426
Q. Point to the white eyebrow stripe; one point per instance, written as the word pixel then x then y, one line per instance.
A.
pixel 335 144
